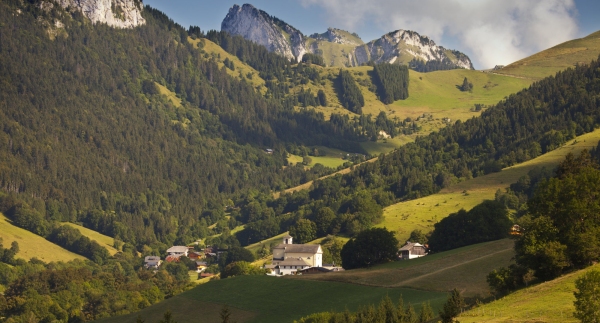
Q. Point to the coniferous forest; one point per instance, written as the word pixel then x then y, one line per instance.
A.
pixel 87 135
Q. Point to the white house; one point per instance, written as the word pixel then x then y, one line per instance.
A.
pixel 412 250
pixel 178 251
pixel 289 257
pixel 152 262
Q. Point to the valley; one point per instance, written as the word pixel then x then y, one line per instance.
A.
pixel 150 169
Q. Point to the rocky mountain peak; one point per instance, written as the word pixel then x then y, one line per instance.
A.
pixel 338 36
pixel 261 28
pixel 115 13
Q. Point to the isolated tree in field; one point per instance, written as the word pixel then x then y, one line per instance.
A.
pixel 452 307
pixel 168 318
pixel 322 98
pixel 587 297
pixel 466 86
pixel 370 247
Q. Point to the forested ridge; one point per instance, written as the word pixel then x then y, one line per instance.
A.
pixel 85 137
pixel 519 128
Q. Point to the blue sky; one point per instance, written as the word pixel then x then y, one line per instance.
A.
pixel 489 31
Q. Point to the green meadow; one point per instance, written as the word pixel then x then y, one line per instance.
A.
pixel 272 299
pixel 550 302
pixel 32 245
pixel 104 240
pixel 560 57
pixel 423 213
pixel 463 268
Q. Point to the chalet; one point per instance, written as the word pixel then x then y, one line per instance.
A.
pixel 412 250
pixel 289 258
pixel 178 251
pixel 201 266
pixel 152 262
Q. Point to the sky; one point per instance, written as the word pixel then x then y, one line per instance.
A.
pixel 491 32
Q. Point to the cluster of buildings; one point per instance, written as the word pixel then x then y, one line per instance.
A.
pixel 174 254
pixel 288 258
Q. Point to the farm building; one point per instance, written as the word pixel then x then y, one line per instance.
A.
pixel 289 257
pixel 412 250
pixel 152 262
pixel 178 251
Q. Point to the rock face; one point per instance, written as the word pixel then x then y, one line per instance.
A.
pixel 115 13
pixel 257 26
pixel 404 45
pixel 338 47
pixel 338 36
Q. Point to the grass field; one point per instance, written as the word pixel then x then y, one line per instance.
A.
pixel 32 245
pixel 271 299
pixel 241 70
pixel 105 241
pixel 552 60
pixel 464 268
pixel 171 96
pixel 546 302
pixel 437 93
pixel 424 212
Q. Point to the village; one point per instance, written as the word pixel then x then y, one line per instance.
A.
pixel 287 258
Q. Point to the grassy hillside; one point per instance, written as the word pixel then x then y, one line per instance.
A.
pixel 271 299
pixel 241 70
pixel 464 268
pixel 32 245
pixel 547 302
pixel 424 212
pixel 552 60
pixel 434 94
pixel 105 241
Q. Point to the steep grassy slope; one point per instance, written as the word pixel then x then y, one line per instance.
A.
pixel 32 245
pixel 434 93
pixel 464 268
pixel 104 240
pixel 271 299
pixel 559 57
pixel 422 213
pixel 547 302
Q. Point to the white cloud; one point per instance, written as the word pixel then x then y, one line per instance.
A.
pixel 493 31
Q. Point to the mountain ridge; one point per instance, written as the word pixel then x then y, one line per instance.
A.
pixel 338 47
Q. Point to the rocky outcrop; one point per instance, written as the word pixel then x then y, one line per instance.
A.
pixel 258 26
pixel 403 46
pixel 115 13
pixel 343 48
pixel 338 36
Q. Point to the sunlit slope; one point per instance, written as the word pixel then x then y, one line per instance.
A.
pixel 104 240
pixel 32 245
pixel 557 58
pixel 423 213
pixel 547 302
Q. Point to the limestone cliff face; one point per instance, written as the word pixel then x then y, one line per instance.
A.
pixel 403 46
pixel 257 26
pixel 338 47
pixel 115 13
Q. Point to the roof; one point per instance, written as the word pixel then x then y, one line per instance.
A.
pixel 151 258
pixel 300 248
pixel 410 245
pixel 172 258
pixel 201 263
pixel 293 262
pixel 287 236
pixel 177 249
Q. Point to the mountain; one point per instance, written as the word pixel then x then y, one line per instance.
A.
pixel 261 28
pixel 338 47
pixel 404 45
pixel 115 13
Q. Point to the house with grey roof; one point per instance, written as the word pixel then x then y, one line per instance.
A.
pixel 178 251
pixel 152 262
pixel 412 250
pixel 289 258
